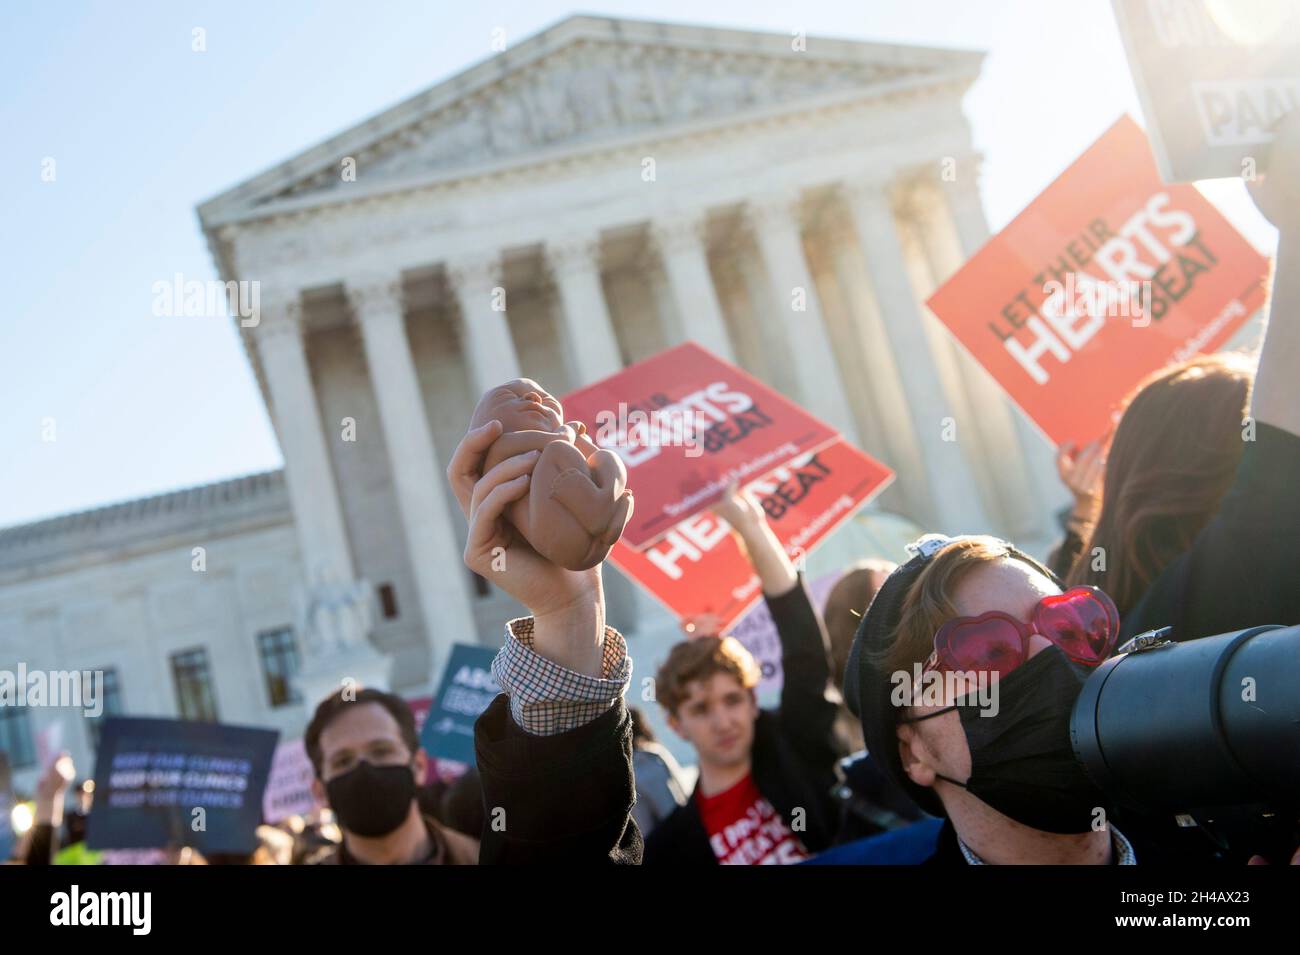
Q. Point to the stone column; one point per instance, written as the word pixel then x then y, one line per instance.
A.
pixel 436 564
pixel 841 331
pixel 910 493
pixel 760 344
pixel 309 475
pixel 1005 479
pixel 797 312
pixel 589 333
pixel 317 512
pixel 955 501
pixel 681 242
pixel 967 211
pixel 485 331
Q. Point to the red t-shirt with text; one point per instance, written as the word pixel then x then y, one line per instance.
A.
pixel 744 829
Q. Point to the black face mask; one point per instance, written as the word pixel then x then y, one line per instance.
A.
pixel 74 824
pixel 1022 763
pixel 372 801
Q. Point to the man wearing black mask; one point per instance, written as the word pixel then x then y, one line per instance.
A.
pixel 368 761
pixel 964 672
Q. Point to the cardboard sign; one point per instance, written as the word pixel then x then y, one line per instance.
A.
pixel 686 424
pixel 1107 276
pixel 172 783
pixel 288 789
pixel 698 570
pixel 1213 76
pixel 134 857
pixel 420 707
pixel 757 631
pixel 466 690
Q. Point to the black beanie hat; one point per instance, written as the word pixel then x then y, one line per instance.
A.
pixel 868 687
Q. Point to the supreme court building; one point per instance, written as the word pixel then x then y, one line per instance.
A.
pixel 618 186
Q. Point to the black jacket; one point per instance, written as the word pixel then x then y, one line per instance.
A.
pixel 795 747
pixel 1241 570
pixel 557 799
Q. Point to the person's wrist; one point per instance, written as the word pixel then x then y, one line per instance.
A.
pixel 559 593
pixel 48 811
pixel 780 584
pixel 572 632
pixel 750 530
pixel 1085 511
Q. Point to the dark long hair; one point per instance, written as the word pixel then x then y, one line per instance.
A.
pixel 1171 460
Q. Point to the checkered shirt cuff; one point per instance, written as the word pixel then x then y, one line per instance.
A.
pixel 547 699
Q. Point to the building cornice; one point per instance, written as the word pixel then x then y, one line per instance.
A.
pixel 388 130
pixel 188 517
pixel 569 158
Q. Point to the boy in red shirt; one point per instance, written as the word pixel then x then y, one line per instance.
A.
pixel 766 777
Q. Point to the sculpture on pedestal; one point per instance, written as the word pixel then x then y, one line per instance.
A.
pixel 335 617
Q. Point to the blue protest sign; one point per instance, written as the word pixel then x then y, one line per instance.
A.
pixel 171 783
pixel 466 690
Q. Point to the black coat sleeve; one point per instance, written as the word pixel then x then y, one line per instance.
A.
pixel 1241 570
pixel 810 703
pixel 41 848
pixel 565 798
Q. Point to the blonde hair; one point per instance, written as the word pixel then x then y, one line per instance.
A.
pixel 929 602
pixel 698 659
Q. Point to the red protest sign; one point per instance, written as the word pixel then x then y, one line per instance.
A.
pixel 697 569
pixel 686 424
pixel 1109 275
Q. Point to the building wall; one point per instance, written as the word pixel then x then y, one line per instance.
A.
pixel 634 313
pixel 131 612
pixel 449 401
pixel 369 502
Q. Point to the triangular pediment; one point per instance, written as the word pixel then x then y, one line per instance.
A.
pixel 583 82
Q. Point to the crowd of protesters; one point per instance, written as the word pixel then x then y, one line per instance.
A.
pixel 1186 516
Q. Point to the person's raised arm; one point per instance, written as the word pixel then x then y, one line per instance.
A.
pixel 1239 570
pixel 1081 470
pixel 809 701
pixel 769 559
pixel 50 791
pixel 554 751
pixel 1275 398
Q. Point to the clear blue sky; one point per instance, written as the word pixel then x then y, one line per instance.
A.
pixel 142 128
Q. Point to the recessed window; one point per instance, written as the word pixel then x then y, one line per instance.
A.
pixel 279 652
pixel 16 740
pixel 388 601
pixel 196 697
pixel 111 697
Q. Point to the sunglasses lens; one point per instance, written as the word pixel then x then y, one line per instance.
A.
pixel 990 643
pixel 1082 622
